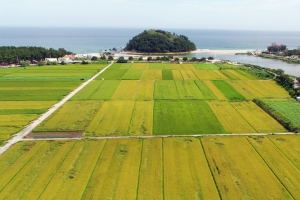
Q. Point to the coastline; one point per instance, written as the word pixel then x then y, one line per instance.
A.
pixel 133 54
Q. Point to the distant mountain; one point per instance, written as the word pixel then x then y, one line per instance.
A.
pixel 158 41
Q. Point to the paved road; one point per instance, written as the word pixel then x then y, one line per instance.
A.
pixel 19 136
pixel 164 136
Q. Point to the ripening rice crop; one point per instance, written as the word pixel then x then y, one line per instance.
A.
pixel 246 90
pixel 281 166
pixel 257 118
pixel 115 74
pixel 144 90
pixel 268 88
pixel 151 172
pixel 241 75
pixel 229 75
pixel 206 66
pixel 116 173
pixel 186 172
pixel 181 117
pixel 142 118
pixel 113 118
pixel 152 75
pixel 125 90
pixel 105 90
pixel 188 75
pixel 70 181
pixel 133 74
pixel 177 75
pixel 229 118
pixel 188 90
pixel 115 66
pixel 32 179
pixel 239 172
pixel 167 66
pixel 229 92
pixel 125 66
pixel 207 93
pixel 140 66
pixel 215 90
pixel 24 107
pixel 289 145
pixel 87 91
pixel 167 74
pixel 188 66
pixel 176 66
pixel 165 89
pixel 207 74
pixel 72 116
pixel 16 158
pixel 156 66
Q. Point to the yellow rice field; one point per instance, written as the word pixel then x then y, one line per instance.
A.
pixel 113 118
pixel 268 88
pixel 257 118
pixel 280 165
pixel 116 173
pixel 72 116
pixel 229 118
pixel 125 90
pixel 140 66
pixel 144 90
pixel 223 77
pixel 152 75
pixel 246 90
pixel 186 173
pixel 177 75
pixel 188 75
pixel 207 74
pixel 215 90
pixel 239 172
pixel 289 146
pixel 7 105
pixel 151 172
pixel 142 118
pixel 176 66
pixel 71 178
pixel 188 66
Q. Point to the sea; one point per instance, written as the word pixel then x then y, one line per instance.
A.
pixel 94 40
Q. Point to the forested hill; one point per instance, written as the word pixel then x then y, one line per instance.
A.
pixel 11 54
pixel 158 41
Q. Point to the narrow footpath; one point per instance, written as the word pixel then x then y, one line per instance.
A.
pixel 19 136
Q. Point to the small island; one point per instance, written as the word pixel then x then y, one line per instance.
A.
pixel 159 41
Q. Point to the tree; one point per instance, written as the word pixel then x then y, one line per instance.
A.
pixel 193 59
pixel 210 58
pixel 121 60
pixel 140 58
pixel 130 58
pixel 280 72
pixel 103 57
pixel 63 62
pixel 176 59
pixel 110 58
pixel 94 58
pixel 203 59
pixel 24 63
pixel 184 58
pixel 149 58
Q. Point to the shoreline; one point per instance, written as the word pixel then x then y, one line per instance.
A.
pixel 133 54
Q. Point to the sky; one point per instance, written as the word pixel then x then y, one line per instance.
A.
pixel 278 15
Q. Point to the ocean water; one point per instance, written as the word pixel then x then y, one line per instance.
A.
pixel 93 40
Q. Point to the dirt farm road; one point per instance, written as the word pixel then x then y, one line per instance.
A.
pixel 19 136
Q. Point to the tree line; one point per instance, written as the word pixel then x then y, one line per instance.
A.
pixel 11 54
pixel 159 41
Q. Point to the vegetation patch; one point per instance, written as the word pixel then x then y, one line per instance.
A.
pixel 285 111
pixel 229 92
pixel 133 74
pixel 113 74
pixel 173 117
pixel 188 90
pixel 167 74
pixel 206 66
pixel 165 89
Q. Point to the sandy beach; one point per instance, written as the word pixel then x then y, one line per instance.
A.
pixel 127 54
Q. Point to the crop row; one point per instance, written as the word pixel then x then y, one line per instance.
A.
pixel 156 168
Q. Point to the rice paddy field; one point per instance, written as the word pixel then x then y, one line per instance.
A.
pixel 173 110
pixel 25 93
pixel 179 99
pixel 236 167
